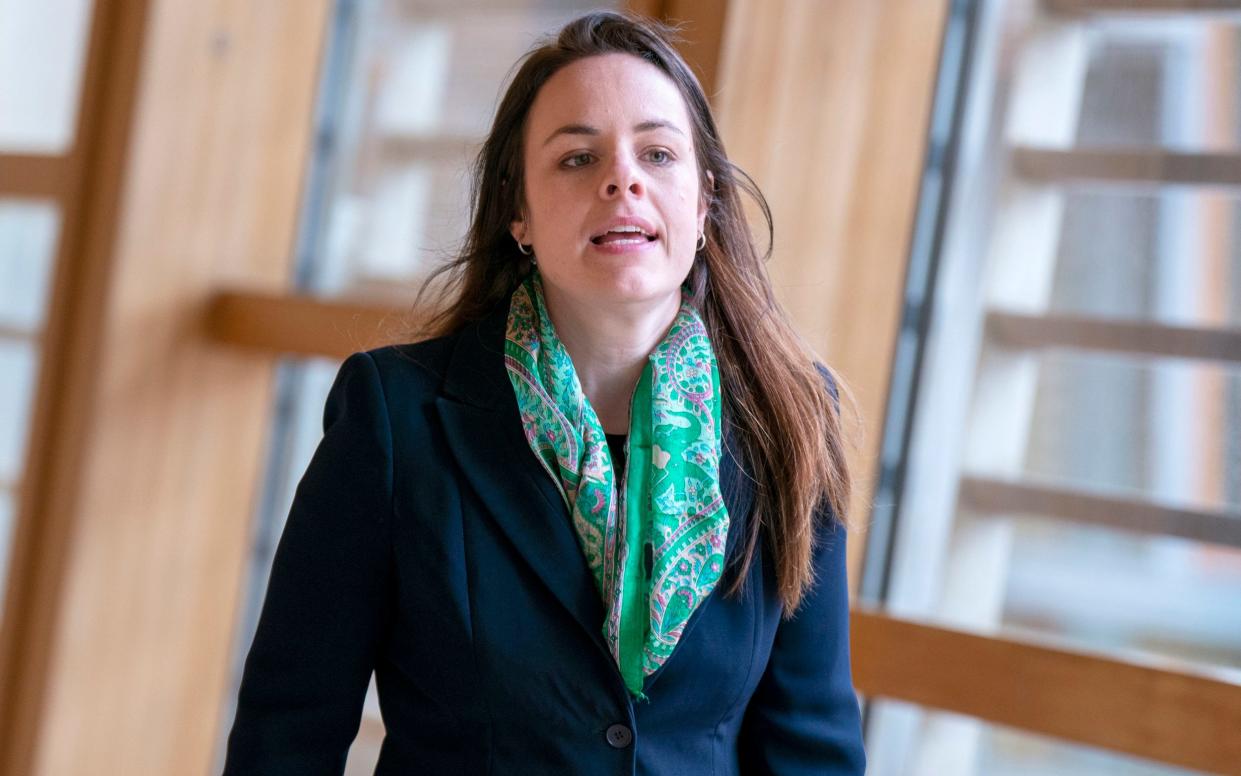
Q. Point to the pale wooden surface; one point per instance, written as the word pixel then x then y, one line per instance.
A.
pixel 1163 712
pixel 161 463
pixel 826 106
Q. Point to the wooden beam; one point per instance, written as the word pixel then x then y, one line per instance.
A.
pixel 36 177
pixel 1175 715
pixel 1144 167
pixel 986 495
pixel 651 8
pixel 88 183
pixel 456 149
pixel 301 325
pixel 1227 8
pixel 131 554
pixel 8 332
pixel 827 106
pixel 1016 330
pixel 703 33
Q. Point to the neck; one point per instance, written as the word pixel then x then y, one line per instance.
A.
pixel 609 345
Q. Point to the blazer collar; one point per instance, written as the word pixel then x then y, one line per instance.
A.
pixel 480 417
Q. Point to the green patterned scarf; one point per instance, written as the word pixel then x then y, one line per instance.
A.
pixel 656 550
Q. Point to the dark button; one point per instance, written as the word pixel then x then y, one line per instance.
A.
pixel 620 736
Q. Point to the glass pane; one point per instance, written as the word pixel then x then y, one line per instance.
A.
pixel 1155 429
pixel 28 232
pixel 953 743
pixel 417 98
pixel 18 370
pixel 42 50
pixel 381 240
pixel 1148 81
pixel 1047 493
pixel 1172 257
pixel 1125 593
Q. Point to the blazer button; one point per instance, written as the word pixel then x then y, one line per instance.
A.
pixel 620 736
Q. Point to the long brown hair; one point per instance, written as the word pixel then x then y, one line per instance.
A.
pixel 788 428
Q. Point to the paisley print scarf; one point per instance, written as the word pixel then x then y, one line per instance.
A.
pixel 654 535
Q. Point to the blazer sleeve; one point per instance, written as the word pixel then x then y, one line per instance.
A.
pixel 307 672
pixel 804 717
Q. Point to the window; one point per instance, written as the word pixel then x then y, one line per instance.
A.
pixel 1062 454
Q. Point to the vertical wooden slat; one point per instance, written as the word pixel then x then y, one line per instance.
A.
pixel 136 530
pixel 826 106
pixel 86 193
pixel 703 37
pixel 651 8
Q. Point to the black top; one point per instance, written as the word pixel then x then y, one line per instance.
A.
pixel 616 444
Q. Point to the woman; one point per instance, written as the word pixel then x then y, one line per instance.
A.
pixel 592 525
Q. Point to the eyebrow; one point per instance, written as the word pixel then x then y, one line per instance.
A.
pixel 586 129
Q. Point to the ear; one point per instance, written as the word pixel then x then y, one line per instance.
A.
pixel 517 228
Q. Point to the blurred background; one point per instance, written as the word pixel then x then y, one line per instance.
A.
pixel 1014 226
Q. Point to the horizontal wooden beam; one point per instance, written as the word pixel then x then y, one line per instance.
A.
pixel 35 177
pixel 19 333
pixel 1016 330
pixel 1143 167
pixel 981 494
pixel 301 325
pixel 1142 7
pixel 1178 716
pixel 455 149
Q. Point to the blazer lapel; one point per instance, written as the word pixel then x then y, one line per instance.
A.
pixel 480 419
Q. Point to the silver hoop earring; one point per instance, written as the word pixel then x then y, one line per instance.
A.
pixel 522 248
pixel 702 240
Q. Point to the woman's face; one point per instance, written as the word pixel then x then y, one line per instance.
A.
pixel 609 138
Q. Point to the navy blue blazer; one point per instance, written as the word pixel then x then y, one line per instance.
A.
pixel 427 544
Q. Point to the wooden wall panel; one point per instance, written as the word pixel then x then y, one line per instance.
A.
pixel 826 105
pixel 89 177
pixel 170 427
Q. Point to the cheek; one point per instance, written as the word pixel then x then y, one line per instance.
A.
pixel 553 201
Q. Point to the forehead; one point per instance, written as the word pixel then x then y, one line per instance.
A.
pixel 608 91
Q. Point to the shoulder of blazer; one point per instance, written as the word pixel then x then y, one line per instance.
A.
pixel 416 367
pixel 466 365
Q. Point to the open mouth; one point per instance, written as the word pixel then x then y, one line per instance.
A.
pixel 624 234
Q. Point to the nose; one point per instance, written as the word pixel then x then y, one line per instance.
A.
pixel 622 175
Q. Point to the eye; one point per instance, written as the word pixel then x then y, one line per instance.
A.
pixel 570 161
pixel 666 157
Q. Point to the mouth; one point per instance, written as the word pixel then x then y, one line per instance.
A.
pixel 625 236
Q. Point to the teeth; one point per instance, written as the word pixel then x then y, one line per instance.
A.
pixel 626 229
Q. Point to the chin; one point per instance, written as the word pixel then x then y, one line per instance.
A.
pixel 635 285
